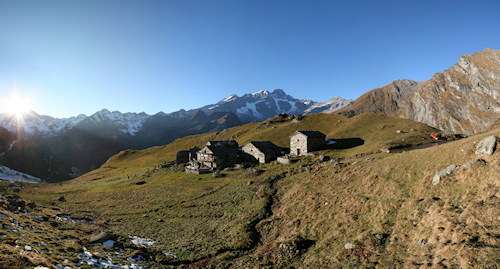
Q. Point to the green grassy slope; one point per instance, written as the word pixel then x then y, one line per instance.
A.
pixel 367 127
pixel 302 214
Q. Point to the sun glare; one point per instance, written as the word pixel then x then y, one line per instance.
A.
pixel 18 105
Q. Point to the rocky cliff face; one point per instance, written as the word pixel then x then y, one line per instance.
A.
pixel 463 99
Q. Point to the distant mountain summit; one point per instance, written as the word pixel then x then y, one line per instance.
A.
pixel 463 99
pixel 264 104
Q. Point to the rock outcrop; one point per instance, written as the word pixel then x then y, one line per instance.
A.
pixel 439 175
pixel 487 145
pixel 462 99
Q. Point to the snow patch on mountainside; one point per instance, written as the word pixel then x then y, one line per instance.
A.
pixel 292 110
pixel 10 147
pixel 250 108
pixel 12 175
pixel 128 123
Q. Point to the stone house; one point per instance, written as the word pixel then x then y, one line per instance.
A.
pixel 215 156
pixel 303 142
pixel 260 151
pixel 184 156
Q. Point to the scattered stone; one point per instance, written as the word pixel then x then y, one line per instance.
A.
pixel 421 242
pixel 382 127
pixel 102 237
pixel 367 160
pixel 385 150
pixel 398 132
pixel 469 164
pixel 487 145
pixel 250 182
pixel 284 160
pixel 379 236
pixel 448 170
pixel 62 199
pixel 413 130
pixel 217 174
pixel 159 220
pixel 350 246
pixel 76 247
pixel 323 158
pixel 142 182
pixel 145 216
pixel 32 205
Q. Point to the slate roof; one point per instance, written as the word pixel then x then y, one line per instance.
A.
pixel 265 146
pixel 309 134
pixel 226 143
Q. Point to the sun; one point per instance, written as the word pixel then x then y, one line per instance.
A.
pixel 18 104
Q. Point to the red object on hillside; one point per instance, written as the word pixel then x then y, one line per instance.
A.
pixel 434 136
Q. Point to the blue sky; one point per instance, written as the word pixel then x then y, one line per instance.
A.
pixel 72 57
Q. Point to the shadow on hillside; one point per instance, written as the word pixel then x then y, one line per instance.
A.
pixel 346 143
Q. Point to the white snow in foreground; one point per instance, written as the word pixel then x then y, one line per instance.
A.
pixel 144 242
pixel 12 175
pixel 102 263
pixel 68 218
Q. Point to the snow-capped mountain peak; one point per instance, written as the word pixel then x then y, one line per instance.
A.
pixel 260 105
pixel 33 124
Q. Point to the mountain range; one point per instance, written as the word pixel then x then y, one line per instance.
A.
pixel 86 142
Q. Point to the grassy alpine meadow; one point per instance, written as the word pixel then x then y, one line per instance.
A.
pixel 299 215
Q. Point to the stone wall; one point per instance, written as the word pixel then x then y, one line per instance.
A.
pixel 315 143
pixel 298 144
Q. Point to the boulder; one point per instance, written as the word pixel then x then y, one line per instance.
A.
pixel 323 158
pixel 350 246
pixel 448 170
pixel 469 164
pixel 62 199
pixel 102 237
pixel 32 205
pixel 217 174
pixel 487 145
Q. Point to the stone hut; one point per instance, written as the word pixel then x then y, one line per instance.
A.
pixel 303 142
pixel 260 151
pixel 216 156
pixel 184 156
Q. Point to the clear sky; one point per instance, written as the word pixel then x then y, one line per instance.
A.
pixel 73 57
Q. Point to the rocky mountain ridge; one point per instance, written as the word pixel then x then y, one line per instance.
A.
pixel 262 105
pixel 463 99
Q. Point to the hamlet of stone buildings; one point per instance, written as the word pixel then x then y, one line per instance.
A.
pixel 217 155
